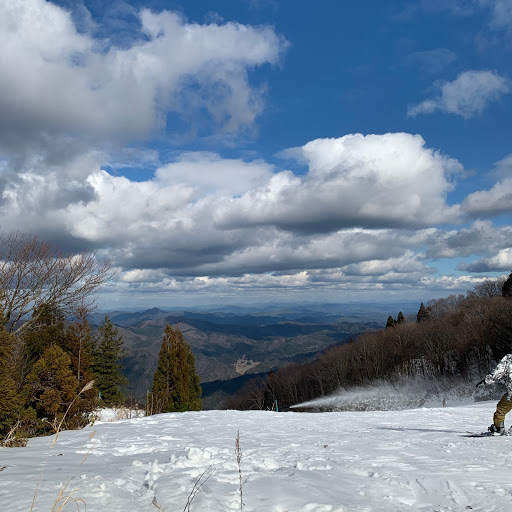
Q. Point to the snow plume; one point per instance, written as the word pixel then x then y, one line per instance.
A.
pixel 384 396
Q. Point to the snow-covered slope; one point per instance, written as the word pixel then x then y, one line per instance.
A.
pixel 415 460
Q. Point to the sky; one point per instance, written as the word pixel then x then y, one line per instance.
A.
pixel 253 151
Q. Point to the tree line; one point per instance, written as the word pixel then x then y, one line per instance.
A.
pixel 55 370
pixel 56 374
pixel 458 336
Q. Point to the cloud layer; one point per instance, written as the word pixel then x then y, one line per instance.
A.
pixel 367 211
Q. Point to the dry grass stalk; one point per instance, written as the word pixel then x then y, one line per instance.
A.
pixel 197 485
pixel 238 451
pixel 62 498
pixel 58 506
pixel 154 502
pixel 11 439
pixel 88 386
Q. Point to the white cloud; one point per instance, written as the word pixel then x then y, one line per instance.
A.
pixel 504 166
pixel 184 229
pixel 211 174
pixel 467 96
pixel 501 13
pixel 56 80
pixel 143 276
pixel 502 261
pixel 368 181
pixel 489 203
pixel 482 237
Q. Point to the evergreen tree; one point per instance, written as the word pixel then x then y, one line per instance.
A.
pixel 107 368
pixel 49 329
pixel 50 388
pixel 506 291
pixel 175 382
pixel 400 319
pixel 9 399
pixel 391 322
pixel 422 315
pixel 79 344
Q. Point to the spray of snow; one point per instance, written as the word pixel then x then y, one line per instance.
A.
pixel 384 396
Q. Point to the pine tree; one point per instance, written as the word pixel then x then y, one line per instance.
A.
pixel 506 291
pixel 49 329
pixel 50 388
pixel 400 319
pixel 107 368
pixel 390 322
pixel 79 344
pixel 9 399
pixel 422 315
pixel 175 382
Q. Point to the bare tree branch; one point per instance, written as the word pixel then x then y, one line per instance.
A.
pixel 32 273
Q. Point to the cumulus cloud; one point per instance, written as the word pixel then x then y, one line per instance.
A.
pixel 481 237
pixel 499 262
pixel 164 232
pixel 356 180
pixel 504 166
pixel 169 222
pixel 489 203
pixel 75 108
pixel 56 80
pixel 467 96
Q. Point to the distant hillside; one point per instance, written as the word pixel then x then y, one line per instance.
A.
pixel 228 345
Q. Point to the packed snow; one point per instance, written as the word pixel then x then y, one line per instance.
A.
pixel 412 460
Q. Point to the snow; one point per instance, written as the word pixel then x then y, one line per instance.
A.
pixel 388 461
pixel 409 394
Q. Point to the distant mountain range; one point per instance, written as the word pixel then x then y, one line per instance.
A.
pixel 235 344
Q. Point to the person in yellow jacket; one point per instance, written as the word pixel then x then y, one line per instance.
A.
pixel 502 373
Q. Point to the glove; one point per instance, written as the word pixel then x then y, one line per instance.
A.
pixel 480 383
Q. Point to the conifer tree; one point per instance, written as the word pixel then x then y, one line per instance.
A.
pixel 175 382
pixel 9 399
pixel 422 315
pixel 79 344
pixel 506 291
pixel 390 322
pixel 107 367
pixel 49 329
pixel 50 388
pixel 400 319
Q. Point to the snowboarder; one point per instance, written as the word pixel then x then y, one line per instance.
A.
pixel 502 373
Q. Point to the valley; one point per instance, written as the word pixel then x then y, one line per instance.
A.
pixel 231 347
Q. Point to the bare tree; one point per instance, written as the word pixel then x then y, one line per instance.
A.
pixel 488 288
pixel 33 273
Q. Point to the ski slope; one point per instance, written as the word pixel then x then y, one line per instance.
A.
pixel 414 460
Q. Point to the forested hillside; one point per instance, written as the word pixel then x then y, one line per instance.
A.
pixel 228 346
pixel 458 337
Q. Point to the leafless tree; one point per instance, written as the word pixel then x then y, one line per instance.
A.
pixel 488 288
pixel 34 273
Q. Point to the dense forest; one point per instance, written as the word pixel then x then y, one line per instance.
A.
pixel 459 337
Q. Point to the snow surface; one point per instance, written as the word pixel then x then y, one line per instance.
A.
pixel 414 460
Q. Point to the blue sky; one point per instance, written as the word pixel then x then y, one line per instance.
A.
pixel 252 150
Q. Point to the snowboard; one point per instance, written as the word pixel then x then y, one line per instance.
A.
pixel 488 434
